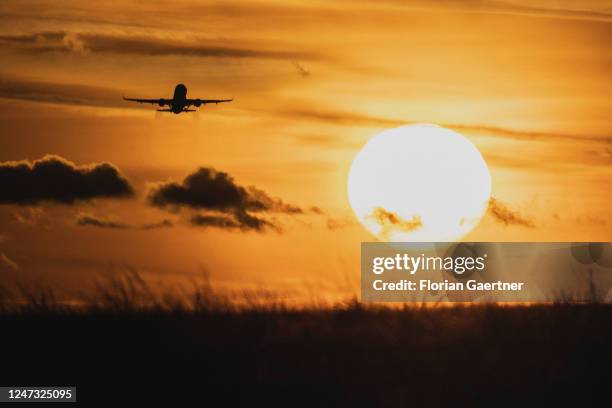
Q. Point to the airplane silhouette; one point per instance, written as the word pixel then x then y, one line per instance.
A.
pixel 179 102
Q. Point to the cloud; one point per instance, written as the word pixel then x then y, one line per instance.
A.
pixel 88 220
pixel 501 213
pixel 63 41
pixel 334 116
pixel 9 262
pixel 527 134
pixel 591 220
pixel 391 222
pixel 61 93
pixel 345 118
pixel 209 189
pixel 334 224
pixel 227 204
pixel 316 210
pixel 560 11
pixel 56 179
pixel 237 220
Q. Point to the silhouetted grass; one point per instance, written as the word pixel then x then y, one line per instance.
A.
pixel 128 342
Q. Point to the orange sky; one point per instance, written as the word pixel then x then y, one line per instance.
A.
pixel 528 82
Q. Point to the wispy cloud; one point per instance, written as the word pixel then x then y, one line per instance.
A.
pixel 234 221
pixel 81 43
pixel 304 111
pixel 331 115
pixel 61 93
pixel 391 222
pixel 527 134
pixel 563 9
pixel 335 224
pixel 88 220
pixel 85 95
pixel 503 214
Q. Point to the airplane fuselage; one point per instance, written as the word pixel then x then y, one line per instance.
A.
pixel 179 99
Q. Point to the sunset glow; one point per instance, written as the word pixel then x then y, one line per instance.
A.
pixel 526 83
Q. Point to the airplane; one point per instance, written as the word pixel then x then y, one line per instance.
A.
pixel 179 102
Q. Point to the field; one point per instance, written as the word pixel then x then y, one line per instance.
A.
pixel 351 354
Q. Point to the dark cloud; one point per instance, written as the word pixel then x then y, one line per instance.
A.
pixel 88 220
pixel 227 204
pixel 236 220
pixel 208 189
pixel 62 41
pixel 501 213
pixel 56 179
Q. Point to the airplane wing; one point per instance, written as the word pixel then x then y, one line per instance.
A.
pixel 160 102
pixel 198 102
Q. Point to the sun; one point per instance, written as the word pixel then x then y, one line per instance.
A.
pixel 419 183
